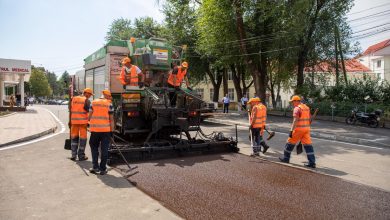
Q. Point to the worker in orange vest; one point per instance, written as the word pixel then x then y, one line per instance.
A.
pixel 258 117
pixel 78 115
pixel 300 131
pixel 175 77
pixel 130 74
pixel 101 124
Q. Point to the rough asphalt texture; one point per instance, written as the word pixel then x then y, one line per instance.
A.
pixel 235 186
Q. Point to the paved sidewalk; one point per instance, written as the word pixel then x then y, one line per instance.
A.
pixel 377 137
pixel 24 126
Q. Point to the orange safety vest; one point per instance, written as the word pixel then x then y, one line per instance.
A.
pixel 78 114
pixel 179 77
pixel 261 116
pixel 129 79
pixel 100 118
pixel 303 122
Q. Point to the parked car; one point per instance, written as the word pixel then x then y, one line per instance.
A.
pixel 66 102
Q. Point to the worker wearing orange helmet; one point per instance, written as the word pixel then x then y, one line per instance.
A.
pixel 175 77
pixel 78 114
pixel 257 120
pixel 300 131
pixel 130 74
pixel 101 125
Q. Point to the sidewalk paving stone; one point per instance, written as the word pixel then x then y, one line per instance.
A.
pixel 23 126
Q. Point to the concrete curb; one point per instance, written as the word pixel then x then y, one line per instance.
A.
pixel 325 136
pixel 31 137
pixel 3 116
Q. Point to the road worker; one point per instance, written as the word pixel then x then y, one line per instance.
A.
pixel 258 117
pixel 175 78
pixel 300 131
pixel 79 108
pixel 130 74
pixel 101 124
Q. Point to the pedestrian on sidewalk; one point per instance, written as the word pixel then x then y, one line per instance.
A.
pixel 226 102
pixel 244 101
pixel 300 131
pixel 78 115
pixel 101 124
pixel 257 120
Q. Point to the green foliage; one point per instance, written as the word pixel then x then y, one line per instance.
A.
pixel 39 83
pixel 120 29
pixel 365 90
pixel 124 29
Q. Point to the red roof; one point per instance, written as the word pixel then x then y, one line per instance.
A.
pixel 376 47
pixel 352 65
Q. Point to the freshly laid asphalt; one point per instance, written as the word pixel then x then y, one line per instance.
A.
pixel 236 186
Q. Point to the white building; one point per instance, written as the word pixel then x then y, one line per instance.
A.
pixel 377 58
pixel 13 74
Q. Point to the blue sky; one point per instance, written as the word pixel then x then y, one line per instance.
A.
pixel 58 34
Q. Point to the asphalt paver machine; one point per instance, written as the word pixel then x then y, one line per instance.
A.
pixel 148 125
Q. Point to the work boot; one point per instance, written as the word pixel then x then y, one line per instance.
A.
pixel 283 160
pixel 83 158
pixel 72 158
pixel 265 147
pixel 310 165
pixel 94 171
pixel 103 172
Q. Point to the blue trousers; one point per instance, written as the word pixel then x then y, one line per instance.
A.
pixel 308 149
pixel 257 140
pixel 99 139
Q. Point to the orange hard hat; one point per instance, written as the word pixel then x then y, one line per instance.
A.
pixel 295 98
pixel 256 99
pixel 184 64
pixel 106 92
pixel 88 90
pixel 126 60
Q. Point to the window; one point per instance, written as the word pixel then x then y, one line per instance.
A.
pixel 211 94
pixel 230 75
pixel 379 63
pixel 231 94
pixel 200 92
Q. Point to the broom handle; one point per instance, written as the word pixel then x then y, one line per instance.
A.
pixel 250 129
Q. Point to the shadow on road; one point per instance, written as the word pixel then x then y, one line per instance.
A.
pixel 109 179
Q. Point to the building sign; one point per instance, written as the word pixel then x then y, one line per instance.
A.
pixel 15 66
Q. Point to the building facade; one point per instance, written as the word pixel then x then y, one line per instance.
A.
pixel 377 58
pixel 13 74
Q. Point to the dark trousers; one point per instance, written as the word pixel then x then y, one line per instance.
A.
pixel 99 139
pixel 172 96
pixel 226 107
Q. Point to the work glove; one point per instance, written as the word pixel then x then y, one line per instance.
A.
pixel 124 87
pixel 189 88
pixel 141 85
pixel 290 135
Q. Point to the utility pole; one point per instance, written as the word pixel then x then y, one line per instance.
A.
pixel 337 57
pixel 341 55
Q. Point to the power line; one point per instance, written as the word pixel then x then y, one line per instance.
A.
pixel 379 14
pixel 369 9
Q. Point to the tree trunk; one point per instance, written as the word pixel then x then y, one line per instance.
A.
pixel 251 66
pixel 216 82
pixel 236 81
pixel 225 81
pixel 304 44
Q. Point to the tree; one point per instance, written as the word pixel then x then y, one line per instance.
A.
pixel 120 29
pixel 54 84
pixel 63 83
pixel 146 27
pixel 39 84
